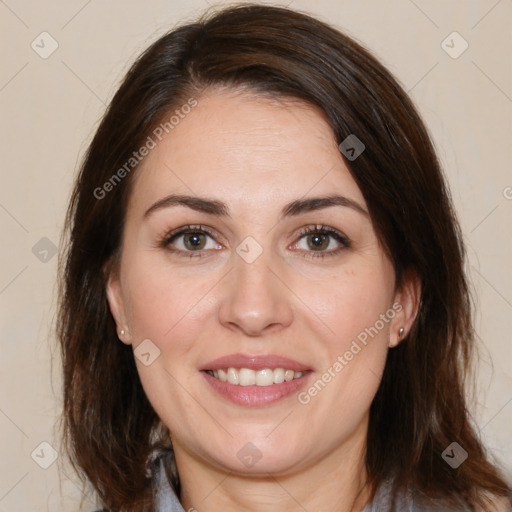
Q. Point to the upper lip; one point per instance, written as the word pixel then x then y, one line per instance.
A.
pixel 255 362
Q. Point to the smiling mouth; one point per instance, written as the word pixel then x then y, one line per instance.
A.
pixel 249 377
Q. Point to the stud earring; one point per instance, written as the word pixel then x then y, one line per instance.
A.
pixel 122 332
pixel 400 333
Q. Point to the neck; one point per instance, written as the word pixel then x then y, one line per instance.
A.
pixel 334 481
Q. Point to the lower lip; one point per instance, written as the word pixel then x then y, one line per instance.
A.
pixel 256 396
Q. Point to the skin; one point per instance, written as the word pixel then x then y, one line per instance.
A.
pixel 256 155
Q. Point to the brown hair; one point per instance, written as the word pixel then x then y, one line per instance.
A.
pixel 109 427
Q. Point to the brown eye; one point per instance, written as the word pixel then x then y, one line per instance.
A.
pixel 318 241
pixel 194 240
pixel 321 241
pixel 191 241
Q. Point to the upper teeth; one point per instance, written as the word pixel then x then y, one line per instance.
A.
pixel 248 377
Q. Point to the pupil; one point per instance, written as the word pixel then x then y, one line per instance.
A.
pixel 318 240
pixel 194 239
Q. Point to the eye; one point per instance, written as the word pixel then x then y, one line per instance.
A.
pixel 318 239
pixel 190 239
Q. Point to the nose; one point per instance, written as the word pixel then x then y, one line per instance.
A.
pixel 255 300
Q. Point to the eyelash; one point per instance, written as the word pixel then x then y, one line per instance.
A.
pixel 308 230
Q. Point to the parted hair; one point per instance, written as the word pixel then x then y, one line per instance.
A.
pixel 109 428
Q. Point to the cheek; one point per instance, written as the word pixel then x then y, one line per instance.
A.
pixel 167 308
pixel 355 306
pixel 351 301
pixel 164 304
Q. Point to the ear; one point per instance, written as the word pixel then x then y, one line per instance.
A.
pixel 116 304
pixel 406 303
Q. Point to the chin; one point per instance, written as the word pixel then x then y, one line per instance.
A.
pixel 258 456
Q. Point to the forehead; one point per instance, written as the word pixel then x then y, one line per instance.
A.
pixel 248 151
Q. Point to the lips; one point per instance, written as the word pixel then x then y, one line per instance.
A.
pixel 255 380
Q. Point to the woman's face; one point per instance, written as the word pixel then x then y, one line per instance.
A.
pixel 249 289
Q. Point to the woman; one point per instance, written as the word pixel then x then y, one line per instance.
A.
pixel 263 300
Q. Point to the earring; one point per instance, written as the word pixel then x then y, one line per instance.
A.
pixel 122 332
pixel 400 332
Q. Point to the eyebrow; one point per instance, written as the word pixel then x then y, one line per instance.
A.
pixel 220 209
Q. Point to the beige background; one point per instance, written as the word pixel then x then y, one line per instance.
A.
pixel 51 107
